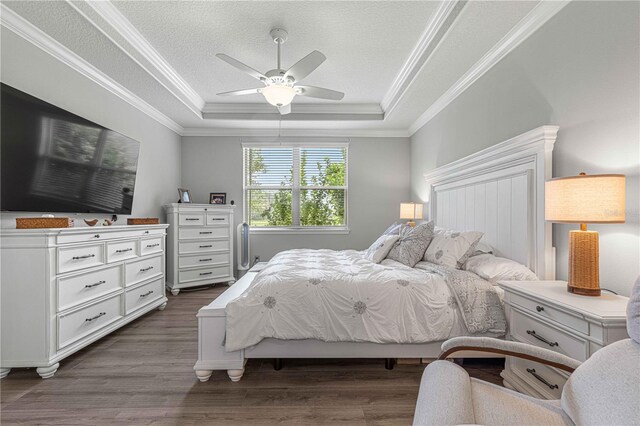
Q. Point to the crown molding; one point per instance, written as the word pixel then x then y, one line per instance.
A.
pixel 21 27
pixel 247 132
pixel 265 108
pixel 437 26
pixel 299 112
pixel 537 17
pixel 108 19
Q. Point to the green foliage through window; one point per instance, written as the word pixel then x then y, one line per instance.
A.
pixel 295 186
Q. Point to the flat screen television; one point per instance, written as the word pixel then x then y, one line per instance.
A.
pixel 55 161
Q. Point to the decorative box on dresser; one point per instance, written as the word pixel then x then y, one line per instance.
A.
pixel 200 245
pixel 65 288
pixel 544 314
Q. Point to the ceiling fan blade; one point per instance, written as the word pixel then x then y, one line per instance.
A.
pixel 240 92
pixel 305 66
pixel 319 92
pixel 242 67
pixel 284 110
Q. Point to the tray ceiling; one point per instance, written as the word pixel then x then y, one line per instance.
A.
pixel 396 61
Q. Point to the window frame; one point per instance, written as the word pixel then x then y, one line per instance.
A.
pixel 296 189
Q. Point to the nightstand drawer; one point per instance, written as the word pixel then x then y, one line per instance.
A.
pixel 543 379
pixel 539 309
pixel 527 329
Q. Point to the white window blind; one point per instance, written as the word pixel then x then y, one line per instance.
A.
pixel 301 187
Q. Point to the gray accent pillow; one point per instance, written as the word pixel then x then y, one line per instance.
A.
pixel 452 248
pixel 411 246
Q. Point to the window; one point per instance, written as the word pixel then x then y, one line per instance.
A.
pixel 299 187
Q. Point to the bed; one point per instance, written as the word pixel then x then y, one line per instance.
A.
pixel 498 191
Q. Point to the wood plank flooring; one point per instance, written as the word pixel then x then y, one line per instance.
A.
pixel 143 374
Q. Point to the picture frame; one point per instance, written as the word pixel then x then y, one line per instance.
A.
pixel 218 198
pixel 185 195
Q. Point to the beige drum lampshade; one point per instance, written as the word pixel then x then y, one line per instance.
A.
pixel 585 199
pixel 411 211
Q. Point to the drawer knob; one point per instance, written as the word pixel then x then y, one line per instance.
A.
pixel 94 285
pixel 206 260
pixel 153 245
pixel 96 317
pixel 86 256
pixel 96 236
pixel 217 218
pixel 539 308
pixel 146 232
pixel 209 232
pixel 148 268
pixel 147 293
pixel 206 273
pixel 542 339
pixel 532 371
pixel 124 250
pixel 206 246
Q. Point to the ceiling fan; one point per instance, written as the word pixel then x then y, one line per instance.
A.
pixel 280 85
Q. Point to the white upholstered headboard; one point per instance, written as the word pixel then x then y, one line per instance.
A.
pixel 500 191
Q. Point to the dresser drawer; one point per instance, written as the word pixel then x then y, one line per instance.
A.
pixel 143 295
pixel 150 246
pixel 142 269
pixel 192 247
pixel 536 374
pixel 80 257
pixel 525 328
pixel 217 219
pixel 81 323
pixel 80 288
pixel 122 250
pixel 540 309
pixel 203 274
pixel 186 219
pixel 204 259
pixel 204 233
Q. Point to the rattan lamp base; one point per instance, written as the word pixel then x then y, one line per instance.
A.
pixel 584 265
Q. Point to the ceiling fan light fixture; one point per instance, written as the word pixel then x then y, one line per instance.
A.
pixel 279 94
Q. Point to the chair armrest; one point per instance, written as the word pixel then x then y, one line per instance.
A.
pixel 505 347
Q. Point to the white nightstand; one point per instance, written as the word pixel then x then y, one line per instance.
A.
pixel 544 314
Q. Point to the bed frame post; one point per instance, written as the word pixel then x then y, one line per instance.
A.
pixel 389 363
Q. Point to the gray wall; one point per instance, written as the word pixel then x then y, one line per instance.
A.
pixel 580 71
pixel 33 71
pixel 378 182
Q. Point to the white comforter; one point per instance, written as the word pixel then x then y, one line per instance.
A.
pixel 339 296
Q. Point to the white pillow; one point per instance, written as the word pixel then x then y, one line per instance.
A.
pixel 381 248
pixel 452 248
pixel 494 269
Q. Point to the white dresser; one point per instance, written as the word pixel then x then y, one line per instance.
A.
pixel 544 314
pixel 200 245
pixel 63 289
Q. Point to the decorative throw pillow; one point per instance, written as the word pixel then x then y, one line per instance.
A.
pixel 412 244
pixel 380 248
pixel 394 229
pixel 452 248
pixel 494 269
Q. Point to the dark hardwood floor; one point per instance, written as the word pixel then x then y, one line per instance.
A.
pixel 143 374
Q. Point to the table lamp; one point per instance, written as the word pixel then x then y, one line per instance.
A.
pixel 585 199
pixel 411 211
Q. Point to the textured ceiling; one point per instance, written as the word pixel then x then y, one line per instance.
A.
pixel 366 43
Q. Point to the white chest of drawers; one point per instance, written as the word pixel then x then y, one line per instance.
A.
pixel 200 245
pixel 543 313
pixel 63 289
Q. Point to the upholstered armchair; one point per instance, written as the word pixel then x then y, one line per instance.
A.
pixel 604 390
